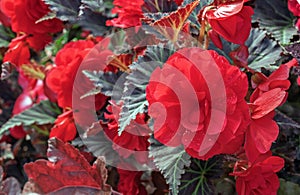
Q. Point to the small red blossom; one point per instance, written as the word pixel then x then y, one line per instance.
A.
pixel 61 78
pixel 259 178
pixel 268 95
pixel 294 7
pixel 64 127
pixel 231 20
pixel 129 13
pixel 133 138
pixel 130 183
pixel 181 126
pixel 24 15
pixel 34 93
pixel 18 52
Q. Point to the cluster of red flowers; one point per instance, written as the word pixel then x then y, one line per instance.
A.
pixel 32 33
pixel 250 125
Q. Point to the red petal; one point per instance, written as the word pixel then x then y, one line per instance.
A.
pixel 225 10
pixel 267 102
pixel 263 132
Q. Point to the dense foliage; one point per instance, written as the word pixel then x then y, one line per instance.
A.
pixel 150 97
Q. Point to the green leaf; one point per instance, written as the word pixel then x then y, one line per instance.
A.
pixel 104 83
pixel 93 21
pixel 288 188
pixel 263 51
pixel 5 36
pixel 42 113
pixel 99 145
pixel 201 177
pixel 100 6
pixel 170 161
pixel 65 10
pixel 58 43
pixel 134 94
pixel 155 6
pixel 274 16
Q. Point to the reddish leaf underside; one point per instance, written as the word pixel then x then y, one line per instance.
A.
pixel 171 25
pixel 66 167
pixel 121 61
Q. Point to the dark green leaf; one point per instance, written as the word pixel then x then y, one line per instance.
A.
pixel 99 145
pixel 154 6
pixel 225 187
pixel 263 51
pixel 294 50
pixel 93 21
pixel 134 95
pixel 200 177
pixel 105 83
pixel 288 188
pixel 274 16
pixel 59 42
pixel 42 113
pixel 5 36
pixel 66 10
pixel 171 161
pixel 101 6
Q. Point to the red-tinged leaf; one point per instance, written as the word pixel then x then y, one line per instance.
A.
pixel 66 167
pixel 121 61
pixel 171 25
pixel 267 102
pixel 10 186
pixel 240 56
pixel 225 10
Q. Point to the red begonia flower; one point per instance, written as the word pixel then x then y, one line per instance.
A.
pixel 18 51
pixel 61 78
pixel 129 13
pixel 259 178
pixel 64 127
pixel 24 15
pixel 231 20
pixel 269 94
pixel 180 125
